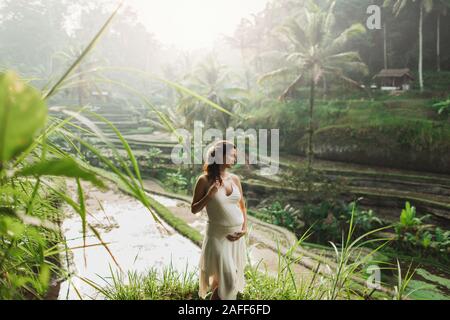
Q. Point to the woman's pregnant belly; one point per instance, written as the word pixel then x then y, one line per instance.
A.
pixel 225 214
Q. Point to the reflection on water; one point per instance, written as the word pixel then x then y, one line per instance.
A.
pixel 135 240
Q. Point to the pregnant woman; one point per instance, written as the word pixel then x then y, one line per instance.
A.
pixel 222 259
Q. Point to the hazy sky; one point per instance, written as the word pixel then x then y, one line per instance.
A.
pixel 191 24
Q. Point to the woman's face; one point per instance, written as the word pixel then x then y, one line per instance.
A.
pixel 231 158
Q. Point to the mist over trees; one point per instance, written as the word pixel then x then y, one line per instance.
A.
pixel 50 29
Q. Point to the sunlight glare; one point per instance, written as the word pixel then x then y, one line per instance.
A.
pixel 194 24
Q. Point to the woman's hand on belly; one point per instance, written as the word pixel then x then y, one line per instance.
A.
pixel 236 236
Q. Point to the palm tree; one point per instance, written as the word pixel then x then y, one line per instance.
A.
pixel 425 6
pixel 314 53
pixel 210 79
pixel 242 42
pixel 83 81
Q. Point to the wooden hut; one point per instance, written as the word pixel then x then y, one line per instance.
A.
pixel 394 79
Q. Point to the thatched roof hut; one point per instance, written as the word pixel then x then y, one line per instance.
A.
pixel 395 79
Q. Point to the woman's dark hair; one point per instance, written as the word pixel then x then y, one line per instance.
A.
pixel 217 156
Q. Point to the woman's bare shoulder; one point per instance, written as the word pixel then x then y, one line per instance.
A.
pixel 201 184
pixel 202 179
pixel 235 177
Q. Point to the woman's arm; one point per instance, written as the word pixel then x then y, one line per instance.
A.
pixel 201 194
pixel 241 202
pixel 237 235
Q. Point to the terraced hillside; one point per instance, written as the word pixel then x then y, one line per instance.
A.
pixel 385 190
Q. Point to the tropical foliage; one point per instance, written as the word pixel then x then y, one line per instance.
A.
pixel 93 97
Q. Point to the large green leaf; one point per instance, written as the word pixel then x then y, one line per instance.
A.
pixel 61 168
pixel 23 113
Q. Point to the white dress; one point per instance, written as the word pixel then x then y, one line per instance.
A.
pixel 221 258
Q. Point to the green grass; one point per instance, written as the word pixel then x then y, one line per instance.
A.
pixel 28 242
pixel 170 284
pixel 177 223
pixel 409 122
pixel 153 285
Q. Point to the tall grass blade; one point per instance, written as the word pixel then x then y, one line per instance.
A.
pixel 82 213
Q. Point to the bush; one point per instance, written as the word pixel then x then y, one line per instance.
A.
pixel 328 221
pixel 442 107
pixel 412 234
pixel 277 214
pixel 175 181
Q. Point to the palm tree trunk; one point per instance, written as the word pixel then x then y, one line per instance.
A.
pixel 385 46
pixel 438 43
pixel 246 71
pixel 421 49
pixel 310 126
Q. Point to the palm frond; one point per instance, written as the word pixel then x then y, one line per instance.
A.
pixel 274 75
pixel 291 87
pixel 350 33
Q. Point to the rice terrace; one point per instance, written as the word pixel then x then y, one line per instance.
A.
pixel 338 112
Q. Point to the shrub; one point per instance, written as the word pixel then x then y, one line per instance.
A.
pixel 284 216
pixel 412 234
pixel 175 181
